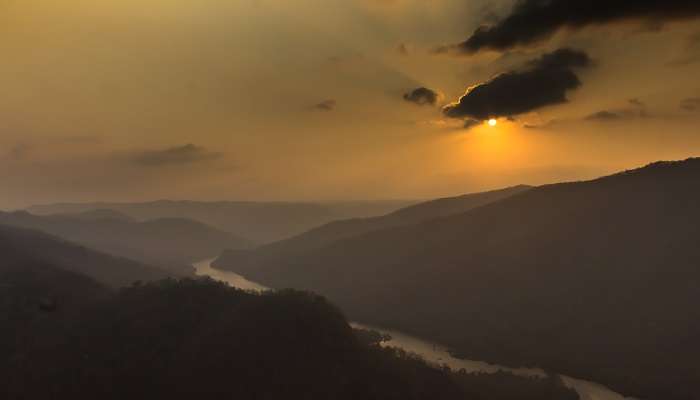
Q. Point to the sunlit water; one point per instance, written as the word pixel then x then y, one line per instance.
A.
pixel 432 353
pixel 204 268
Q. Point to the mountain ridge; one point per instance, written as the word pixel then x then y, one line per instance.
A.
pixel 258 222
pixel 342 229
pixel 171 243
pixel 20 245
pixel 512 281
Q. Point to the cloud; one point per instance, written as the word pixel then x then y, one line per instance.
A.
pixel 180 155
pixel 422 96
pixel 605 115
pixel 471 123
pixel 325 105
pixel 691 104
pixel 543 82
pixel 544 125
pixel 532 21
pixel 636 109
pixel 636 102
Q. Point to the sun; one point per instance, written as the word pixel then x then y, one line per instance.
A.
pixel 492 122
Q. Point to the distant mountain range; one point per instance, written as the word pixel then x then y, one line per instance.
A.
pixel 278 252
pixel 99 214
pixel 24 249
pixel 597 279
pixel 171 243
pixel 258 222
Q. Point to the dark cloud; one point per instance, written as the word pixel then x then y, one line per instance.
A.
pixel 471 123
pixel 636 102
pixel 691 104
pixel 543 82
pixel 635 109
pixel 325 105
pixel 180 155
pixel 605 115
pixel 422 96
pixel 543 125
pixel 532 21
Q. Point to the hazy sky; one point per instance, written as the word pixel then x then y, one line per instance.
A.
pixel 313 99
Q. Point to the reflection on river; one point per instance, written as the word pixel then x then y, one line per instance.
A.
pixel 204 268
pixel 436 354
pixel 432 353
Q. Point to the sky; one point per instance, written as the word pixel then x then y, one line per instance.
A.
pixel 324 100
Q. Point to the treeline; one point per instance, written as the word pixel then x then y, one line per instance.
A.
pixel 66 337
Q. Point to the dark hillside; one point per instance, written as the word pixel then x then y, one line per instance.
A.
pixel 24 246
pixel 596 279
pixel 200 339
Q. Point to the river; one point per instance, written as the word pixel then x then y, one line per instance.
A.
pixel 431 352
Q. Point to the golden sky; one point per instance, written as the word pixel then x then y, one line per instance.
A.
pixel 304 100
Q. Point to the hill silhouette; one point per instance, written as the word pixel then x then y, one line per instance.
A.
pixel 38 302
pixel 170 243
pixel 259 222
pixel 27 247
pixel 595 279
pixel 201 339
pixel 316 238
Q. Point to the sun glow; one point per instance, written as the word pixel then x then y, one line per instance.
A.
pixel 492 122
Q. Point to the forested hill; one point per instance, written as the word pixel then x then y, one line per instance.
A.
pixel 65 337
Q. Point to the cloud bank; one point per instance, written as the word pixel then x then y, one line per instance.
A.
pixel 543 82
pixel 532 21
